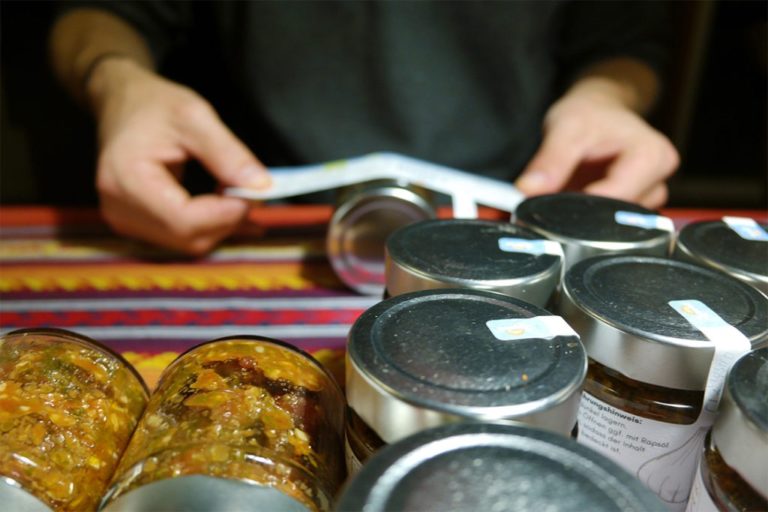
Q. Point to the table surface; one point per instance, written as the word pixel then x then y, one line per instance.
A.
pixel 62 267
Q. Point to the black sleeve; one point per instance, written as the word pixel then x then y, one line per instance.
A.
pixel 165 25
pixel 591 31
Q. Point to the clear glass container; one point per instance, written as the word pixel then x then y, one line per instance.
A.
pixel 68 406
pixel 245 409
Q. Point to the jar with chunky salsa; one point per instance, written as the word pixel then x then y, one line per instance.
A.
pixel 68 407
pixel 245 409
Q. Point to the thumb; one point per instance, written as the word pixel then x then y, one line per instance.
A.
pixel 551 166
pixel 225 156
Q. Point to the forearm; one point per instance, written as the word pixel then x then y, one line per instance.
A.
pixel 630 82
pixel 83 39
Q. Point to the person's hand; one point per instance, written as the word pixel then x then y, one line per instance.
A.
pixel 148 128
pixel 595 143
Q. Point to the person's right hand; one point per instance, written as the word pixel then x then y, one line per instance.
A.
pixel 148 128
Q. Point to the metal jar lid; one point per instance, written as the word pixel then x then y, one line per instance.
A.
pixel 198 493
pixel 457 253
pixel 359 227
pixel 717 245
pixel 16 498
pixel 620 307
pixel 486 467
pixel 586 225
pixel 741 429
pixel 426 358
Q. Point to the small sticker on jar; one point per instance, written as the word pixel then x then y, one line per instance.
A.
pixel 644 220
pixel 747 228
pixel 730 344
pixel 535 247
pixel 540 327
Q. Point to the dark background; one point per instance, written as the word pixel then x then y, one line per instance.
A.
pixel 714 109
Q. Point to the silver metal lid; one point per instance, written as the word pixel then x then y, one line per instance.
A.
pixel 586 226
pixel 14 497
pixel 200 493
pixel 741 429
pixel 426 358
pixel 717 245
pixel 359 227
pixel 620 307
pixel 455 253
pixel 485 467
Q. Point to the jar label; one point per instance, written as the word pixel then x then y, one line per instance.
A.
pixel 662 455
pixel 730 344
pixel 644 220
pixel 700 500
pixel 747 228
pixel 534 247
pixel 540 327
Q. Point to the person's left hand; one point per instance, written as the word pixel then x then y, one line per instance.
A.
pixel 593 142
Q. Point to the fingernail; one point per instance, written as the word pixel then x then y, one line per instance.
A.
pixel 533 180
pixel 254 176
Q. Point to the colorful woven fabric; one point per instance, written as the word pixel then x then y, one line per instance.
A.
pixel 149 305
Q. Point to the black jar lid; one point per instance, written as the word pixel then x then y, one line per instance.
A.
pixel 714 243
pixel 740 431
pixel 432 351
pixel 623 303
pixel 465 253
pixel 485 467
pixel 577 216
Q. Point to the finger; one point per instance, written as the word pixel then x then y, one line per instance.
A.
pixel 151 205
pixel 656 197
pixel 206 137
pixel 634 174
pixel 553 164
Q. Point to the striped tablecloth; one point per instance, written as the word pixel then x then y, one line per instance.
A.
pixel 63 268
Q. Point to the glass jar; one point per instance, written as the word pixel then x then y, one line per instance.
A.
pixel 357 232
pixel 490 467
pixel 68 406
pixel 431 357
pixel 241 418
pixel 587 225
pixel 732 474
pixel 649 366
pixel 717 245
pixel 476 254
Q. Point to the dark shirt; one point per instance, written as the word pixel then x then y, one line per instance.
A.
pixel 464 84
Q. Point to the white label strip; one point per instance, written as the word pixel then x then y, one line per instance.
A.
pixel 644 220
pixel 462 186
pixel 535 247
pixel 747 228
pixel 541 327
pixel 730 344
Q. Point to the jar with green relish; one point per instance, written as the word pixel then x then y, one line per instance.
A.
pixel 243 419
pixel 68 406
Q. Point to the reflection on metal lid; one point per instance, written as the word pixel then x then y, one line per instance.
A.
pixel 716 244
pixel 359 227
pixel 484 467
pixel 204 494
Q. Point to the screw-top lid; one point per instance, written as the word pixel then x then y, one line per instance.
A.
pixel 478 254
pixel 741 429
pixel 718 245
pixel 588 225
pixel 485 467
pixel 429 357
pixel 359 227
pixel 198 493
pixel 620 306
